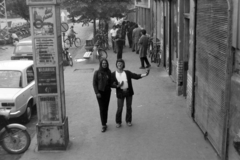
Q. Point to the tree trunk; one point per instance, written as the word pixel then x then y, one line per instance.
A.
pixel 106 27
pixel 94 29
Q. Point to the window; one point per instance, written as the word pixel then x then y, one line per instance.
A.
pixel 30 75
pixel 24 49
pixel 10 79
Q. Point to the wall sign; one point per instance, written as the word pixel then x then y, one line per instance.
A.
pixel 142 3
pixel 43 20
pixel 49 108
pixel 37 2
pixel 45 53
pixel 46 80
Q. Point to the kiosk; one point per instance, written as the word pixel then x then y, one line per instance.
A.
pixel 52 126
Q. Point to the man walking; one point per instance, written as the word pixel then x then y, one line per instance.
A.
pixel 120 40
pixel 113 33
pixel 143 47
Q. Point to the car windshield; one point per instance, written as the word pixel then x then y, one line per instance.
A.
pixel 10 79
pixel 23 49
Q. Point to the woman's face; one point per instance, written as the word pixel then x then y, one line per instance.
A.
pixel 104 64
pixel 119 65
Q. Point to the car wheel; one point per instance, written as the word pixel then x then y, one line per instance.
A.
pixel 28 113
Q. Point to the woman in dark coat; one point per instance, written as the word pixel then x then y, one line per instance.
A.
pixel 102 89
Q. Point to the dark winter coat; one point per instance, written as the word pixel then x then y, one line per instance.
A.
pixel 143 45
pixel 130 76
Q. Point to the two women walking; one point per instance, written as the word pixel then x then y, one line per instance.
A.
pixel 104 80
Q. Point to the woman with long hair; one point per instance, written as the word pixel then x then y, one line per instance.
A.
pixel 102 89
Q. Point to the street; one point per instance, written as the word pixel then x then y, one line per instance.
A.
pixel 84 32
pixel 161 127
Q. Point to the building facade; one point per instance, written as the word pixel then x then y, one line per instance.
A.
pixel 200 50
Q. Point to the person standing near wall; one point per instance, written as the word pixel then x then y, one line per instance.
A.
pixel 143 47
pixel 102 89
pixel 135 36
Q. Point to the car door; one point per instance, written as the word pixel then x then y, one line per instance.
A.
pixel 31 82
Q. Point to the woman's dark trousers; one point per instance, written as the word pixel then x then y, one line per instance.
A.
pixel 103 103
pixel 120 102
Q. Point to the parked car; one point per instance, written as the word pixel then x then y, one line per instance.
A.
pixel 23 50
pixel 17 88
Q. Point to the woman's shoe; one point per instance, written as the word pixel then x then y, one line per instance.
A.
pixel 118 125
pixel 129 124
pixel 104 128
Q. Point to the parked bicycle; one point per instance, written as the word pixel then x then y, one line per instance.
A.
pixel 67 56
pixel 70 41
pixel 94 48
pixel 14 138
pixel 100 53
pixel 154 51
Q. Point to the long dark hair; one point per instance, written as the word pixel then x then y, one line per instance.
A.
pixel 100 65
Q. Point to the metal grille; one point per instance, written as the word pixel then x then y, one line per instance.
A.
pixel 211 63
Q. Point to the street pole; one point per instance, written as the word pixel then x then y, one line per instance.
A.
pixel 3 12
pixel 52 126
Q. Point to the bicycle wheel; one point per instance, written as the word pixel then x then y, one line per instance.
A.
pixel 102 54
pixel 153 57
pixel 67 43
pixel 16 141
pixel 158 59
pixel 150 49
pixel 77 42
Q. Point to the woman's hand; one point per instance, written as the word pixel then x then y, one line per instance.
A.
pixel 120 84
pixel 145 74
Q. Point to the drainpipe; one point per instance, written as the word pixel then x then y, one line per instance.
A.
pixel 194 83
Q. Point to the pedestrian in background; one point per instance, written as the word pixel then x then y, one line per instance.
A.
pixel 123 32
pixel 129 33
pixel 122 81
pixel 143 47
pixel 113 33
pixel 120 39
pixel 102 89
pixel 136 34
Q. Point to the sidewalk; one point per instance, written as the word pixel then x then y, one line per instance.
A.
pixel 161 129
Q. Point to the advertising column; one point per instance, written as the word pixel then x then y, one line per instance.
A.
pixel 52 126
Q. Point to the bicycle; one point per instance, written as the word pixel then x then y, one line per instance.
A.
pixel 155 52
pixel 67 56
pixel 100 52
pixel 70 41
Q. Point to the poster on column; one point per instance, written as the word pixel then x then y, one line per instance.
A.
pixel 45 53
pixel 43 20
pixel 46 80
pixel 49 108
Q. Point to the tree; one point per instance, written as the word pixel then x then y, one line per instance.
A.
pixel 88 11
pixel 18 7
